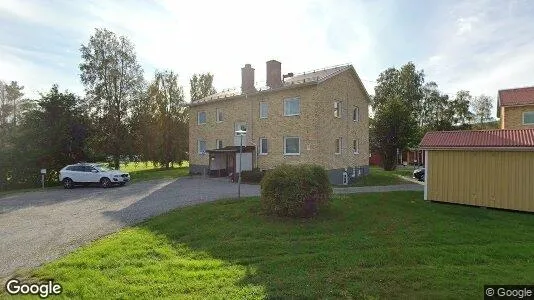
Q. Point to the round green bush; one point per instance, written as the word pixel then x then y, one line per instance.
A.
pixel 295 190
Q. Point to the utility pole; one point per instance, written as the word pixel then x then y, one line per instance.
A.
pixel 241 133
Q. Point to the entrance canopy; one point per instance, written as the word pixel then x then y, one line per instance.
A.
pixel 232 149
pixel 225 161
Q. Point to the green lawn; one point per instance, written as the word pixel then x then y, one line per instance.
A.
pixel 147 171
pixel 405 171
pixel 377 176
pixel 388 245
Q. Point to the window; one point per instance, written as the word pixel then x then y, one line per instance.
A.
pixel 88 169
pixel 528 118
pixel 292 107
pixel 219 115
pixel 337 109
pixel 264 147
pixel 264 109
pixel 201 117
pixel 338 145
pixel 201 147
pixel 356 146
pixel 291 145
pixel 356 114
pixel 218 144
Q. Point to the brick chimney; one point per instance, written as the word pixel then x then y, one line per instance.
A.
pixel 274 74
pixel 247 79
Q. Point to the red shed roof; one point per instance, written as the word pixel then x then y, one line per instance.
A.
pixel 497 138
pixel 519 96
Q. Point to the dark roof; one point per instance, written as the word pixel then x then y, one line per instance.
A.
pixel 519 96
pixel 314 76
pixel 497 138
pixel 233 149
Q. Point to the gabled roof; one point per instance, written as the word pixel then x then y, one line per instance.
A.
pixel 298 80
pixel 519 96
pixel 496 138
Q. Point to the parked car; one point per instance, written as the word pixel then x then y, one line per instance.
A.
pixel 419 174
pixel 85 174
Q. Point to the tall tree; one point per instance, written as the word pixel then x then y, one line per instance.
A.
pixel 11 96
pixel 201 86
pixel 4 105
pixel 397 103
pixel 462 116
pixel 482 106
pixel 171 130
pixel 49 136
pixel 112 78
pixel 437 110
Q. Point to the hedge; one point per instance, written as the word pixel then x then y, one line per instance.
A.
pixel 295 190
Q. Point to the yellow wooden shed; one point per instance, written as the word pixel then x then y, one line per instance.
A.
pixel 489 168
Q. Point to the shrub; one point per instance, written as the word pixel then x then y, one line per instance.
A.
pixel 254 176
pixel 295 190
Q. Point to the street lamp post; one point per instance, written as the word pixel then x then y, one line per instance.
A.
pixel 241 134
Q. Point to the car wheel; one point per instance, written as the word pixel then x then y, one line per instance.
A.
pixel 105 182
pixel 122 183
pixel 68 183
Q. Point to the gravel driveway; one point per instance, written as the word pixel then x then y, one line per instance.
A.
pixel 37 227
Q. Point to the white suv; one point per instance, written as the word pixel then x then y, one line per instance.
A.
pixel 83 173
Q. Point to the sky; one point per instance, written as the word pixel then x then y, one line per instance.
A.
pixel 477 45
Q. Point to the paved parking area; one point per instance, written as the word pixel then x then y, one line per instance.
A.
pixel 37 227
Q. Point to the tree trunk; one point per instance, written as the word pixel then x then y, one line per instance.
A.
pixel 390 159
pixel 116 162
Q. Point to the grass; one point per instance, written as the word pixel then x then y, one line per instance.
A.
pixel 147 171
pixel 366 246
pixel 405 171
pixel 377 176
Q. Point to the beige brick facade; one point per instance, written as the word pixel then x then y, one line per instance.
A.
pixel 316 125
pixel 512 116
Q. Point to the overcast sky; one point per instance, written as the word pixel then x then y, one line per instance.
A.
pixel 478 45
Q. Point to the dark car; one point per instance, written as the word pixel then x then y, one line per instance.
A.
pixel 419 174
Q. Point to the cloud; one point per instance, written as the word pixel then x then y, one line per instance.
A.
pixel 483 46
pixel 197 36
pixel 479 45
pixel 465 25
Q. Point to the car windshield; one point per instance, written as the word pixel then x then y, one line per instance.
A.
pixel 102 168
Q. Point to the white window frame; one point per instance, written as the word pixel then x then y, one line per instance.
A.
pixel 217 142
pixel 261 146
pixel 285 148
pixel 523 115
pixel 338 143
pixel 205 117
pixel 356 114
pixel 198 147
pixel 356 150
pixel 291 99
pixel 218 115
pixel 266 110
pixel 337 109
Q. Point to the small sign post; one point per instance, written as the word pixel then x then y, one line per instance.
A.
pixel 43 173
